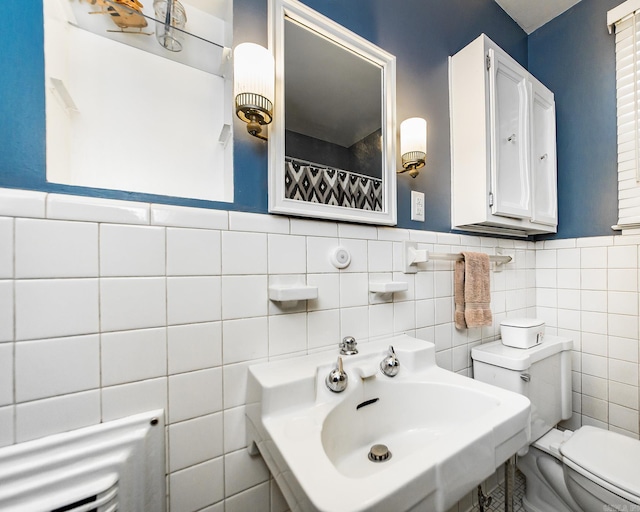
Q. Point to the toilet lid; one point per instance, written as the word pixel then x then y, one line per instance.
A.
pixel 608 455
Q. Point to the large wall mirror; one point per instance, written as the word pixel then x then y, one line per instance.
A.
pixel 139 96
pixel 332 141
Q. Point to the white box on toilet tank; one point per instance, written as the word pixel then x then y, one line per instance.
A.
pixel 522 332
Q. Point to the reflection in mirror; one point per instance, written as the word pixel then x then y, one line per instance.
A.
pixel 135 104
pixel 332 143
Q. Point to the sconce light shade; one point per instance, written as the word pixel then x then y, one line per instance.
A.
pixel 413 145
pixel 253 68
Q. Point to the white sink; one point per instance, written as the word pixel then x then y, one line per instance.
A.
pixel 446 433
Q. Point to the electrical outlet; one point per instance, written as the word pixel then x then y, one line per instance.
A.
pixel 417 205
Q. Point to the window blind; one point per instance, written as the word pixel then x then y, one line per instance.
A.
pixel 627 41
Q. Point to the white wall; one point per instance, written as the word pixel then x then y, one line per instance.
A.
pixel 108 308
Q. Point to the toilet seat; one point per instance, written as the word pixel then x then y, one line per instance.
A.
pixel 607 458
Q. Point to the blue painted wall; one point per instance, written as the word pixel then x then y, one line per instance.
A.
pixel 574 55
pixel 422 34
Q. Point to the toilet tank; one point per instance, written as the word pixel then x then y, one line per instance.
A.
pixel 541 373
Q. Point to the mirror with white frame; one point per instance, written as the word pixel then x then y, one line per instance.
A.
pixel 129 108
pixel 332 141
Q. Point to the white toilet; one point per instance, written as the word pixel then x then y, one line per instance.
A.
pixel 589 470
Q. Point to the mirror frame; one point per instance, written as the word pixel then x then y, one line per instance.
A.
pixel 278 203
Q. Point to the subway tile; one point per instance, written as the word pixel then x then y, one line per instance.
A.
pixel 194 441
pixel 560 243
pixel 6 311
pixel 593 279
pixel 131 251
pixel 568 258
pixel 7 431
pixel 594 322
pixel 354 290
pixel 6 247
pixel 245 339
pixel 242 471
pixel 381 320
pixel 569 278
pixel 624 326
pixel 255 498
pixel 595 344
pixel 623 417
pixel 404 316
pixel 184 217
pixel 244 221
pixel 186 397
pixel 244 296
pixel 244 253
pixel 51 367
pixel 358 251
pixel 313 227
pixel 547 259
pixel 623 303
pixel 328 291
pixel 380 256
pixel 46 248
pixel 357 231
pixel 22 203
pixel 443 338
pixel 595 365
pixel 235 382
pixel 623 394
pixel 94 209
pixel 595 408
pixel 193 252
pixel 130 356
pixel 595 241
pixel 287 254
pixel 6 375
pixel 594 300
pixel 354 322
pixel 593 257
pixel 393 234
pixel 235 431
pixel 49 416
pixel 323 328
pixel 193 299
pixel 622 256
pixel 318 254
pixel 197 486
pixel 546 278
pixel 57 307
pixel 194 347
pixel 133 398
pixel 623 371
pixel 594 387
pixel 623 348
pixel 622 280
pixel 287 334
pixel 132 303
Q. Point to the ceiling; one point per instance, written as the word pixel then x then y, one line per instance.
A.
pixel 532 14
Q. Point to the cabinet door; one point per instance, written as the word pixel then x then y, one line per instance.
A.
pixel 543 155
pixel 510 182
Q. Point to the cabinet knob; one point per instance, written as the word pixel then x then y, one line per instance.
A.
pixel 512 138
pixel 543 157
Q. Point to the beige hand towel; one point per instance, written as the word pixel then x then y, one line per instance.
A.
pixel 472 291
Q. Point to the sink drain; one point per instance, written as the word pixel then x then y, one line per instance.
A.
pixel 379 453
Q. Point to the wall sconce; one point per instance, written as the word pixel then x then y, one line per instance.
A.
pixel 413 145
pixel 254 77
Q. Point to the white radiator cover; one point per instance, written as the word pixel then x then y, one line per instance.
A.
pixel 114 466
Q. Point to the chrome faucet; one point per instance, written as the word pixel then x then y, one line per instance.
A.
pixel 390 364
pixel 337 379
pixel 348 346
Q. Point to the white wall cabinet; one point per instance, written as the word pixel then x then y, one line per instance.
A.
pixel 503 146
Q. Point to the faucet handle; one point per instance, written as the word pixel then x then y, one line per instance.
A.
pixel 390 365
pixel 348 346
pixel 337 379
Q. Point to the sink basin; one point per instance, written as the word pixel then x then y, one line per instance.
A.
pixel 445 432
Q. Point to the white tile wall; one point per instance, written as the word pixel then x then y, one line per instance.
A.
pixel 109 308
